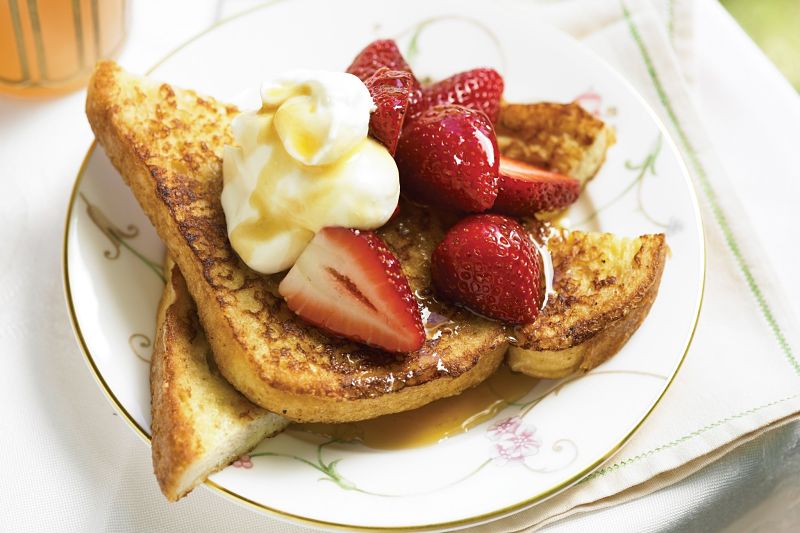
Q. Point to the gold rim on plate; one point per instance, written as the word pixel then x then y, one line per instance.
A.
pixel 473 520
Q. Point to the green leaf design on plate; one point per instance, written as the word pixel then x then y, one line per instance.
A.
pixel 119 237
pixel 648 164
pixel 413 48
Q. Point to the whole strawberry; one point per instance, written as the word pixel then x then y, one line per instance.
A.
pixel 488 264
pixel 391 91
pixel 480 88
pixel 448 156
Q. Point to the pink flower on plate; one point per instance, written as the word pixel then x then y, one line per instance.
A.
pixel 243 462
pixel 513 440
pixel 504 427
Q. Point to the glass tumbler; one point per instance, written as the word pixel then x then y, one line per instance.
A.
pixel 49 47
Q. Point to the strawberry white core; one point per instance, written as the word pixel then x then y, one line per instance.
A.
pixel 348 283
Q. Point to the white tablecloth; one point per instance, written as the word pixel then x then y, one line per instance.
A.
pixel 71 464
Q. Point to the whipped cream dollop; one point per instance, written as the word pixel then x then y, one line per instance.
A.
pixel 304 162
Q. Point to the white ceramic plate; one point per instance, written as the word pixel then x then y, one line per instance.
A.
pixel 527 452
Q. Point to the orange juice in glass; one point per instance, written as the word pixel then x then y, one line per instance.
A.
pixel 49 47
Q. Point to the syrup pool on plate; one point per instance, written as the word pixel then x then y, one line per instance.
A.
pixel 436 421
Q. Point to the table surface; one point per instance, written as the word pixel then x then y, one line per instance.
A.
pixel 753 119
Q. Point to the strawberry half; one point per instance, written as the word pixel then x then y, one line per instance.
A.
pixel 488 264
pixel 480 89
pixel 391 92
pixel 524 190
pixel 377 54
pixel 347 282
pixel 448 156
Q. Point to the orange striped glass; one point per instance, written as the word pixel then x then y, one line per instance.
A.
pixel 49 47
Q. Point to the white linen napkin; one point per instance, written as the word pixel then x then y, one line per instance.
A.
pixel 741 375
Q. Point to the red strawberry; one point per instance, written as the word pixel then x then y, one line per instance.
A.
pixel 391 92
pixel 448 156
pixel 524 189
pixel 479 88
pixel 348 282
pixel 487 263
pixel 377 54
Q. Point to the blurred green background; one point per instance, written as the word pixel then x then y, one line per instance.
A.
pixel 775 26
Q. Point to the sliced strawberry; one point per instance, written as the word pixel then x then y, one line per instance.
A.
pixel 347 282
pixel 383 53
pixel 524 189
pixel 447 156
pixel 377 54
pixel 480 88
pixel 391 92
pixel 488 264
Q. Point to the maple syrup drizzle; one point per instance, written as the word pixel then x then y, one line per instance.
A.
pixel 436 421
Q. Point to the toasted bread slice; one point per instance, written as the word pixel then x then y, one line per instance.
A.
pixel 563 138
pixel 603 288
pixel 167 144
pixel 200 422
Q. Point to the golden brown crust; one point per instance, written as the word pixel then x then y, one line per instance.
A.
pixel 167 143
pixel 604 287
pixel 174 442
pixel 200 424
pixel 563 138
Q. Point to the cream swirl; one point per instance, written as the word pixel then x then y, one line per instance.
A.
pixel 304 162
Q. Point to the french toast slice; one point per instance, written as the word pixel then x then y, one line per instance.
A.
pixel 167 145
pixel 200 422
pixel 603 288
pixel 562 138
